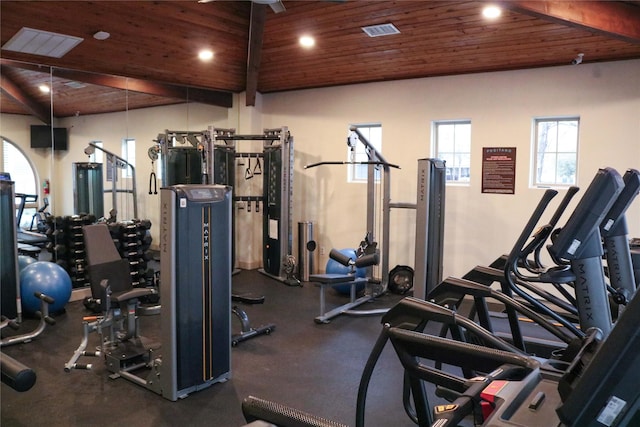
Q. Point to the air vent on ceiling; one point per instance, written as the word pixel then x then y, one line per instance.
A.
pixel 381 30
pixel 38 42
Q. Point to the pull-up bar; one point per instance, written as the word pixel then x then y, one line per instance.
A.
pixel 351 163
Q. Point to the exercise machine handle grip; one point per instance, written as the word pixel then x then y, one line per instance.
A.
pixel 519 247
pixel 85 366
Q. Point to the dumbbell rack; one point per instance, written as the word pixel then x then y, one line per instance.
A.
pixel 66 245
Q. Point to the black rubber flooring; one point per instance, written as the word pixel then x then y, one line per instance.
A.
pixel 315 368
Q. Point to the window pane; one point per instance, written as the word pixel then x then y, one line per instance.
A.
pixel 97 155
pixel 463 138
pixel 23 175
pixel 566 169
pixel 568 136
pixel 373 134
pixel 129 154
pixel 547 172
pixel 17 164
pixel 547 132
pixel 453 145
pixel 557 151
pixel 446 138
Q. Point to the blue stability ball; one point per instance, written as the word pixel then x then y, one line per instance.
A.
pixel 334 267
pixel 48 278
pixel 24 260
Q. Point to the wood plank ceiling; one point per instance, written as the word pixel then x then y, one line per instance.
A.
pixel 151 56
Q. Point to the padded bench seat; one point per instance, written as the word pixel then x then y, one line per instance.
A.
pixel 325 280
pixel 29 250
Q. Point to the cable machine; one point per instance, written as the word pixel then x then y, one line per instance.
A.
pixel 92 197
pixel 429 226
pixel 88 189
pixel 277 191
pixel 429 235
pixel 375 162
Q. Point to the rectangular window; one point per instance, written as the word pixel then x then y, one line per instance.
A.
pixel 452 143
pixel 373 134
pixel 556 151
pixel 97 155
pixel 129 154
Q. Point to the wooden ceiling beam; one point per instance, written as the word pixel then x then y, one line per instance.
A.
pixel 612 18
pixel 205 96
pixel 254 55
pixel 11 89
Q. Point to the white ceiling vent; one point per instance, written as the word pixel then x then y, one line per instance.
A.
pixel 381 30
pixel 38 42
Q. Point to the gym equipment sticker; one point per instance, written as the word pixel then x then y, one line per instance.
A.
pixel 499 170
pixel 611 411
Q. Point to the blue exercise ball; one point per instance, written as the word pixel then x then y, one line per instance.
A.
pixel 47 278
pixel 334 267
pixel 24 260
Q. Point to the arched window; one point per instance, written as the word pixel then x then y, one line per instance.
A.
pixel 23 174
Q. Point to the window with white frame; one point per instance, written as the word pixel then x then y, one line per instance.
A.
pixel 97 155
pixel 452 143
pixel 373 134
pixel 129 154
pixel 23 174
pixel 556 151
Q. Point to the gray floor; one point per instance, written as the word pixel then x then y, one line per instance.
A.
pixel 315 368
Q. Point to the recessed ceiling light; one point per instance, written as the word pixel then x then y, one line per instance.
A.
pixel 491 12
pixel 205 55
pixel 44 88
pixel 307 41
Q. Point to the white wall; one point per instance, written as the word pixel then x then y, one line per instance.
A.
pixel 501 106
pixel 479 227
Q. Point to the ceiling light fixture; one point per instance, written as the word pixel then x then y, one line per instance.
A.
pixel 307 41
pixel 101 35
pixel 44 88
pixel 491 12
pixel 205 55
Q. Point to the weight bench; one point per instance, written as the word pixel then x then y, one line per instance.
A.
pixel 350 279
pixel 247 330
pixel 325 280
pixel 29 250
